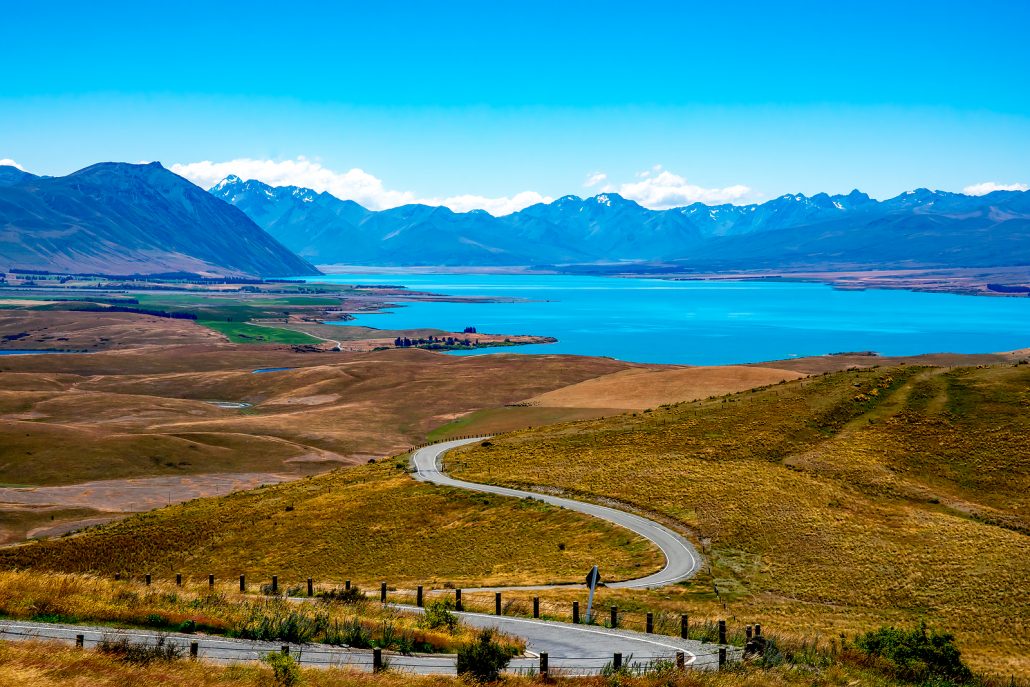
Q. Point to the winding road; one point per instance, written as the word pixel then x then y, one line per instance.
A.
pixel 681 558
pixel 571 649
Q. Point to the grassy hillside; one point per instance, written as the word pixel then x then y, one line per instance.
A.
pixel 366 523
pixel 825 505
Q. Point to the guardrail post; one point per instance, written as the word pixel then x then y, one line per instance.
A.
pixel 722 632
pixel 194 649
pixel 536 606
pixel 147 578
pixel 382 593
pixel 649 627
pixel 575 613
pixel 457 600
pixel 178 579
pixel 497 603
pixel 311 587
pixel 275 584
pixel 684 626
pixel 243 583
pixel 418 596
pixel 617 661
pixel 80 640
pixel 377 660
pixel 615 616
pixel 211 581
pixel 722 656
pixel 543 664
pixel 681 660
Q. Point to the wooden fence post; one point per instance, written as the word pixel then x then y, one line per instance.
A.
pixel 418 596
pixel 536 606
pixel 80 641
pixel 681 660
pixel 543 664
pixel 194 649
pixel 117 576
pixel 346 585
pixel 722 656
pixel 211 581
pixel 275 584
pixel 311 587
pixel 575 613
pixel 650 623
pixel 286 649
pixel 497 603
pixel 617 661
pixel 722 632
pixel 243 583
pixel 615 616
pixel 377 660
pixel 147 577
pixel 382 593
pixel 457 600
pixel 684 626
pixel 178 579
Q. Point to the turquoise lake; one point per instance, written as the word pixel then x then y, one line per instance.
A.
pixel 705 323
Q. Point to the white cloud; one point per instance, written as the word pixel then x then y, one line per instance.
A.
pixel 495 206
pixel 983 188
pixel 659 190
pixel 354 184
pixel 594 178
pixel 8 162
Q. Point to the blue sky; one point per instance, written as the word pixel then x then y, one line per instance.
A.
pixel 470 104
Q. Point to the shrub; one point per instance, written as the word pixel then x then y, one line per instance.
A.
pixel 140 653
pixel 346 596
pixel 483 659
pixel 285 670
pixel 438 614
pixel 917 655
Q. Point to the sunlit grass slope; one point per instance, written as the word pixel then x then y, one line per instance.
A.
pixel 367 523
pixel 828 504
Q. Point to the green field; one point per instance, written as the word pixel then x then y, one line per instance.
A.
pixel 241 332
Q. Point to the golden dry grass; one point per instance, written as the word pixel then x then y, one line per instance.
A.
pixel 825 506
pixel 367 523
pixel 637 389
pixel 77 599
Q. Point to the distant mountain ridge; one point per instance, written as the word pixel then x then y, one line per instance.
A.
pixel 117 218
pixel 918 228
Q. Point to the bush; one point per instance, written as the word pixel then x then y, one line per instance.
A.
pixel 483 659
pixel 276 619
pixel 917 655
pixel 285 670
pixel 438 614
pixel 346 596
pixel 140 653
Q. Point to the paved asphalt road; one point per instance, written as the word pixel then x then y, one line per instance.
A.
pixel 572 649
pixel 682 559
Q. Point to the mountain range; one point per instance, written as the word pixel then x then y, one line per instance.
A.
pixel 116 218
pixel 916 229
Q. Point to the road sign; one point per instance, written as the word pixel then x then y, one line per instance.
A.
pixel 593 579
